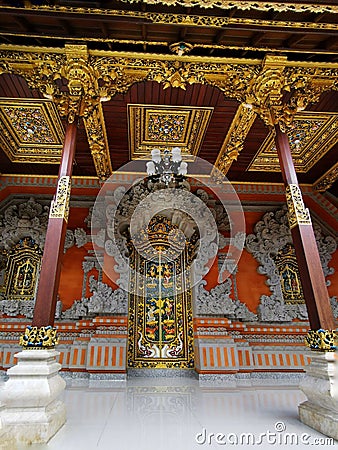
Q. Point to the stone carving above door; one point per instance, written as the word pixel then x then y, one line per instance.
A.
pixel 22 219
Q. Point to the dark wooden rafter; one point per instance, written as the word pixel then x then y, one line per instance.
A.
pixel 105 32
pixel 183 30
pixel 66 26
pixel 144 35
pixel 330 43
pixel 24 24
pixel 293 40
pixel 319 17
pixel 273 15
pixel 256 38
pixel 220 34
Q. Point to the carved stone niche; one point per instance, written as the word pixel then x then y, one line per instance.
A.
pixel 23 222
pixel 270 243
pixel 21 269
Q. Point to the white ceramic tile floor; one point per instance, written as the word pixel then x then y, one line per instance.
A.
pixel 171 413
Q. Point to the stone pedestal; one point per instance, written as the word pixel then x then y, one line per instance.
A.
pixel 33 413
pixel 320 411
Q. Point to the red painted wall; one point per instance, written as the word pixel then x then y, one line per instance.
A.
pixel 251 285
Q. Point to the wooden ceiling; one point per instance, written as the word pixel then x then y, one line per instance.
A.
pixel 230 31
pixel 227 31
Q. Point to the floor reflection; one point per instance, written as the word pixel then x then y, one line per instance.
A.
pixel 169 413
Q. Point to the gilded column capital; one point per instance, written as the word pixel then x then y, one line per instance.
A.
pixel 277 80
pixel 39 338
pixel 322 340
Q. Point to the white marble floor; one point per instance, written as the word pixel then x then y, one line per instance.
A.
pixel 178 414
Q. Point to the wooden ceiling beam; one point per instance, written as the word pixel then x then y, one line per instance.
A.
pixel 144 35
pixel 104 29
pixel 105 32
pixel 294 39
pixel 232 12
pixel 183 33
pixel 219 36
pixel 66 26
pixel 273 15
pixel 319 17
pixel 256 39
pixel 330 43
pixel 144 31
pixel 24 24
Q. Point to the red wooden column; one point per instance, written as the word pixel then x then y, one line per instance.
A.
pixel 311 273
pixel 49 279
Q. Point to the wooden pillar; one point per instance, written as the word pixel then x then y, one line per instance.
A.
pixel 311 273
pixel 49 279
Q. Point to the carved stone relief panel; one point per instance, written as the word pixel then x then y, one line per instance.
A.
pixel 272 238
pixel 23 225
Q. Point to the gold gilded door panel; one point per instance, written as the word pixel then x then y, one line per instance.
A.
pixel 160 313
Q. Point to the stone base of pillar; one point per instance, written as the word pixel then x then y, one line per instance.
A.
pixel 6 440
pixel 320 411
pixel 33 413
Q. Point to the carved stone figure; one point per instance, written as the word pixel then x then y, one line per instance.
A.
pixel 28 218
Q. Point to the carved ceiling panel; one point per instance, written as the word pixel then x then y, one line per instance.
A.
pixel 162 126
pixel 311 137
pixel 31 130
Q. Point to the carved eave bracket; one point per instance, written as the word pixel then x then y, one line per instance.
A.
pixel 234 141
pixel 327 180
pixel 98 142
pixel 280 90
pixel 82 98
pixel 274 88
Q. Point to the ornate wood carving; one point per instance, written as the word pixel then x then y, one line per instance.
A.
pixel 94 76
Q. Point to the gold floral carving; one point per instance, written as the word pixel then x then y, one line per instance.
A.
pixel 297 213
pixel 186 126
pixel 326 180
pixel 243 5
pixel 234 141
pixel 322 340
pixel 224 4
pixel 60 205
pixel 311 136
pixel 98 142
pixel 93 76
pixel 42 338
pixel 43 69
pixel 30 130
